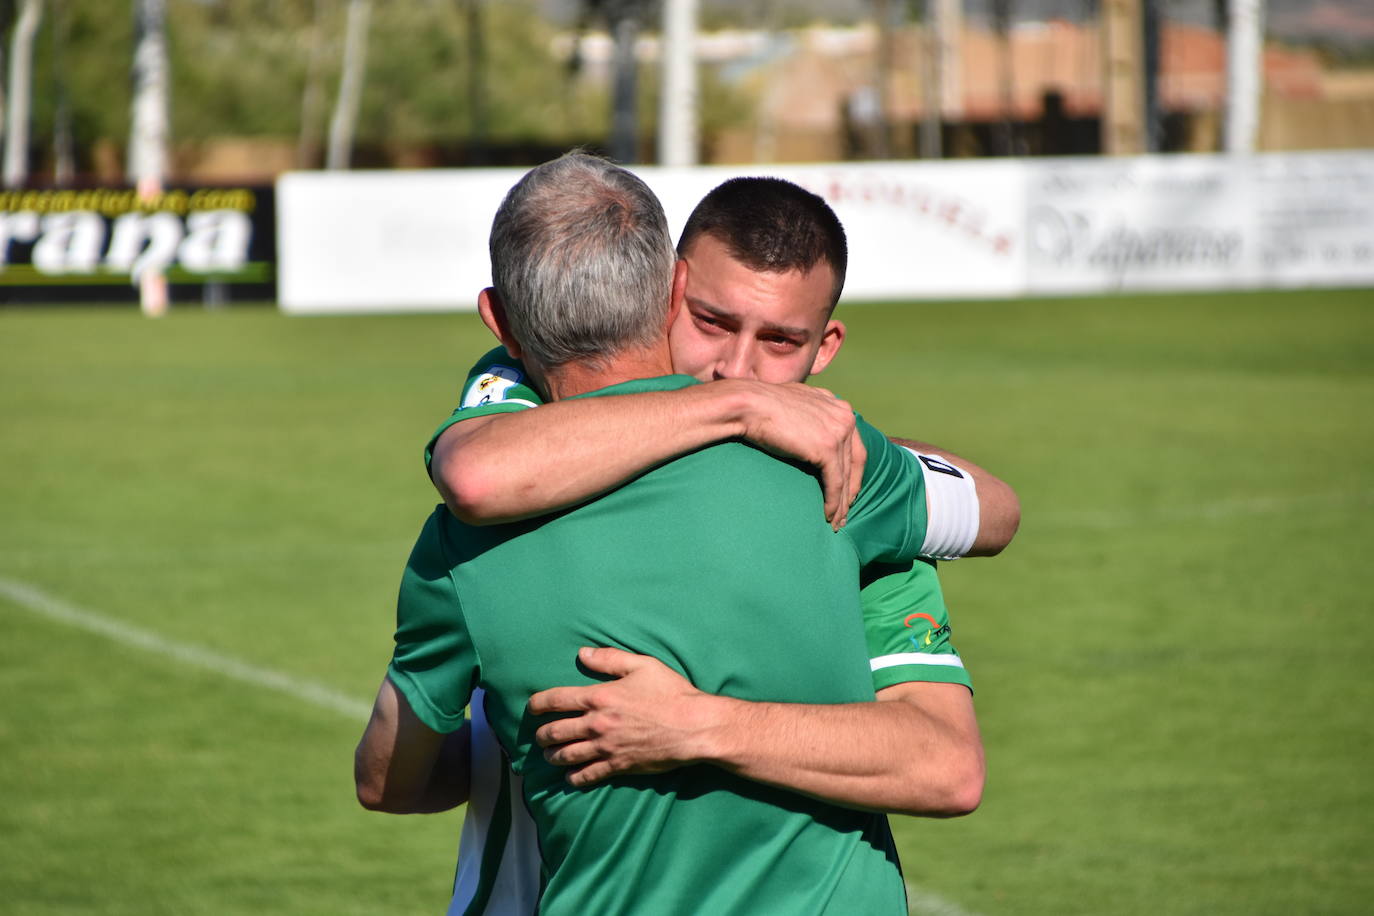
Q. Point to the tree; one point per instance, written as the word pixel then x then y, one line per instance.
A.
pixel 16 166
pixel 312 96
pixel 341 126
pixel 148 126
pixel 148 130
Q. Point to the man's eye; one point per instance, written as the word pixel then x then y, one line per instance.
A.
pixel 709 322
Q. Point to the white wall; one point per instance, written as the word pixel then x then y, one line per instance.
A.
pixel 380 241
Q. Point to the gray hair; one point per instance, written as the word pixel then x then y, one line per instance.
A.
pixel 582 261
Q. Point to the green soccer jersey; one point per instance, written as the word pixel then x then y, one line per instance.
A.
pixel 720 565
pixel 905 617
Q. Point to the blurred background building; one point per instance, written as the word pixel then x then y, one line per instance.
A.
pixel 255 86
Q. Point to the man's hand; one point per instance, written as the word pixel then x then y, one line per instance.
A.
pixel 649 720
pixel 914 751
pixel 815 427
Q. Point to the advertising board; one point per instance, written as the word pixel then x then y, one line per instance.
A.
pixel 369 241
pixel 93 244
pixel 1314 219
pixel 1200 222
pixel 376 241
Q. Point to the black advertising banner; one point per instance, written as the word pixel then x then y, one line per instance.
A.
pixel 92 245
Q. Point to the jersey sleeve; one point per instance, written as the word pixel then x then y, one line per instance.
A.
pixel 434 664
pixel 907 626
pixel 887 521
pixel 497 383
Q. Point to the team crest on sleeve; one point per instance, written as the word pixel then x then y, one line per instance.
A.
pixel 491 386
pixel 932 627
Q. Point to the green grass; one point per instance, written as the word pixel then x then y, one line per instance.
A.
pixel 1171 660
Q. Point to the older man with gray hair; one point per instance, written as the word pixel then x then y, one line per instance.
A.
pixel 719 563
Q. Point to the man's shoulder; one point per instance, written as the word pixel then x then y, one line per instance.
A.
pixel 497 377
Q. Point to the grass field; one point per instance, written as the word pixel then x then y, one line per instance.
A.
pixel 1172 660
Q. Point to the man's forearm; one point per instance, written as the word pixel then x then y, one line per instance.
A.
pixel 450 782
pixel 892 755
pixel 914 751
pixel 401 766
pixel 516 465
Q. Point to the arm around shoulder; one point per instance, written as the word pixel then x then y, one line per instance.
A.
pixel 508 466
pixel 916 751
pixel 947 779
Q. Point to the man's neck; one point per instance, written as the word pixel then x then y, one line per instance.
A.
pixel 579 378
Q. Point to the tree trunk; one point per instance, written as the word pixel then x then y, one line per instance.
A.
pixel 312 96
pixel 341 126
pixel 624 91
pixel 63 142
pixel 1244 74
pixel 677 119
pixel 20 90
pixel 148 134
pixel 882 68
pixel 477 81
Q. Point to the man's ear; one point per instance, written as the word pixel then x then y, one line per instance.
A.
pixel 679 291
pixel 831 338
pixel 494 317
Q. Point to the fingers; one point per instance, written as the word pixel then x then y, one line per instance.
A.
pixel 836 454
pixel 564 731
pixel 606 660
pixel 834 484
pixel 858 457
pixel 563 699
pixel 591 774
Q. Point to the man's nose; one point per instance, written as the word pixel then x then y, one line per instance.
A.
pixel 735 362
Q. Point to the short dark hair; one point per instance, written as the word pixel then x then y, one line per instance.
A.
pixel 768 224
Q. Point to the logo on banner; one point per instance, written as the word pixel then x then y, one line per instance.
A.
pixel 57 236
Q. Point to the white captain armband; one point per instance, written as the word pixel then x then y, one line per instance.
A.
pixel 952 508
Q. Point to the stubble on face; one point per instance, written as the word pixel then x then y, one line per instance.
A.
pixel 743 323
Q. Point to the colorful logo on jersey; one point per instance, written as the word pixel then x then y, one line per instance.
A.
pixel 492 385
pixel 936 631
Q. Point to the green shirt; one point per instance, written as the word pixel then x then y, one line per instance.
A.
pixel 721 565
pixel 905 616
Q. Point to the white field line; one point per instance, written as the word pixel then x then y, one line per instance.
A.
pixel 924 903
pixel 45 605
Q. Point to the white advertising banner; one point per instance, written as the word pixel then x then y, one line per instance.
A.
pixel 927 230
pixel 1137 223
pixel 1200 222
pixel 1314 219
pixel 383 241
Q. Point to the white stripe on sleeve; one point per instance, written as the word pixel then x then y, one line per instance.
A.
pixel 914 658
